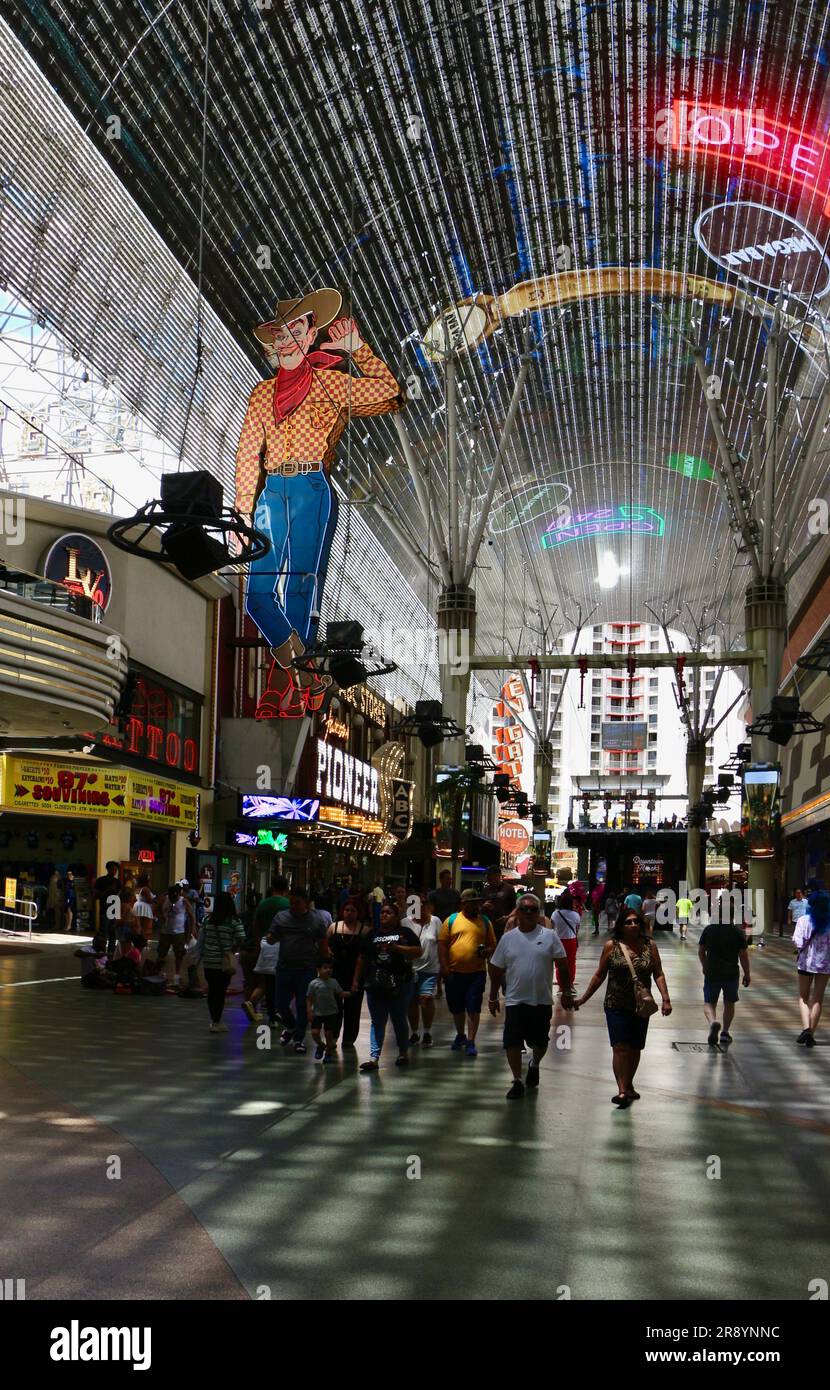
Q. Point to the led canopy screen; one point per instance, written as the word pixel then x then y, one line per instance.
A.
pixel 785 152
pixel 604 521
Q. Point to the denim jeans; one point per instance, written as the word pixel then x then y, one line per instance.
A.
pixel 293 984
pixel 392 1007
pixel 299 517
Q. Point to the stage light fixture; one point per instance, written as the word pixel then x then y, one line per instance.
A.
pixel 196 530
pixel 341 655
pixel 429 724
pixel 783 719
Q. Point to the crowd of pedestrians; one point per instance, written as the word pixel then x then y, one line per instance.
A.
pixel 311 960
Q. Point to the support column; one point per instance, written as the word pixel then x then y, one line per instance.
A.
pixel 695 767
pixel 583 863
pixel 766 632
pixel 541 794
pixel 456 618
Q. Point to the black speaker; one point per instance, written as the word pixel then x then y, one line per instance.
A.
pixel 346 670
pixel 429 709
pixel 783 711
pixel 474 753
pixel 725 779
pixel 346 635
pixel 192 494
pixel 193 551
pixel 430 734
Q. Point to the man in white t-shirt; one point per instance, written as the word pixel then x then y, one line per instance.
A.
pixel 426 972
pixel 796 908
pixel 522 963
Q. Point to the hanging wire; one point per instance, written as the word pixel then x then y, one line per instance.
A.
pixel 352 240
pixel 200 256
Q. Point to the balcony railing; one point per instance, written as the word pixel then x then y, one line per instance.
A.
pixel 61 668
pixel 39 590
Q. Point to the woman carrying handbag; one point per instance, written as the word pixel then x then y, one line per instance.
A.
pixel 630 961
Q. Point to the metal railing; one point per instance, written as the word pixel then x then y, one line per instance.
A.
pixel 29 916
pixel 44 591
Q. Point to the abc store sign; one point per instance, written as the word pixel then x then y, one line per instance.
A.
pixel 766 247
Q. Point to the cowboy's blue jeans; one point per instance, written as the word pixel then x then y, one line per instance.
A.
pixel 299 517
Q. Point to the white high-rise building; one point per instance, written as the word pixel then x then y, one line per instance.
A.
pixel 649 698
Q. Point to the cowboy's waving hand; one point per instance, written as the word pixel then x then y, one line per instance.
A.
pixel 344 336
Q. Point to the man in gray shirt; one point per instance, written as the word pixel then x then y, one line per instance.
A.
pixel 302 937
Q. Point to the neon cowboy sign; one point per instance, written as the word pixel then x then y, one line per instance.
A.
pixel 784 152
pixel 604 521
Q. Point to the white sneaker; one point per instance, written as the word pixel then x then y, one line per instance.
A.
pixel 218 1028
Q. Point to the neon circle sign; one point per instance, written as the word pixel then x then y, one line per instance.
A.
pixel 784 152
pixel 604 521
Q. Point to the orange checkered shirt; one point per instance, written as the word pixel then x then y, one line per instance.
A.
pixel 312 430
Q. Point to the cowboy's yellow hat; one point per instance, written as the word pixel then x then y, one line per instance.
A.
pixel 325 305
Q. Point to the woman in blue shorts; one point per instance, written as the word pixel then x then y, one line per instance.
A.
pixel 626 1030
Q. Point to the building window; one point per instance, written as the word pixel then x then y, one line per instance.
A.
pixel 652 701
pixel 652 719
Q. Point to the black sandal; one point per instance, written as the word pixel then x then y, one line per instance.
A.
pixel 368 1066
pixel 622 1102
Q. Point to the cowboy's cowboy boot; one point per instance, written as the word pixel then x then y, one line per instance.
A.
pixel 312 682
pixel 277 688
pixel 279 698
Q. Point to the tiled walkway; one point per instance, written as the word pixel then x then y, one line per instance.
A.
pixel 245 1169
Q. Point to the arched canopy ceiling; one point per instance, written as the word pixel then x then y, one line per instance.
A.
pixel 420 154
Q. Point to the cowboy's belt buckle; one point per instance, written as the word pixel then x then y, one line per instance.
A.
pixel 290 469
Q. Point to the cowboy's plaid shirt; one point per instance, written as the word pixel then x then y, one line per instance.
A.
pixel 312 430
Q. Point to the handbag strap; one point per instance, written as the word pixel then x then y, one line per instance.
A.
pixel 628 962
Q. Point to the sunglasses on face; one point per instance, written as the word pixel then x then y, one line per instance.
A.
pixel 531 907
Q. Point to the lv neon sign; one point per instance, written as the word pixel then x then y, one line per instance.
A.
pixel 784 152
pixel 604 521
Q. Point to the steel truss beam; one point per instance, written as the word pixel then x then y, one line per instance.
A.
pixel 604 661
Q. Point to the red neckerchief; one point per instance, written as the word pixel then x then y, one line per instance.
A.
pixel 292 386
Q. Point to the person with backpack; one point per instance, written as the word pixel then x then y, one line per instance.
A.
pixel 466 942
pixel 220 938
pixel 384 970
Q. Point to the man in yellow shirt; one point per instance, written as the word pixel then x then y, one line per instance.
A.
pixel 466 942
pixel 684 912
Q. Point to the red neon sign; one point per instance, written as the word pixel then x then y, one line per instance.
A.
pixel 146 856
pixel 784 152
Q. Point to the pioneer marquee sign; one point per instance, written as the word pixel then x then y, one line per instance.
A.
pixel 345 780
